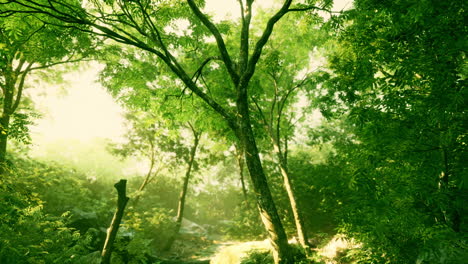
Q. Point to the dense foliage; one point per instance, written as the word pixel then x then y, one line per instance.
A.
pixel 209 104
pixel 395 97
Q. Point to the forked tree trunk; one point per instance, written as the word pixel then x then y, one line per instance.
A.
pixel 282 155
pixel 268 212
pixel 183 192
pixel 10 102
pixel 114 226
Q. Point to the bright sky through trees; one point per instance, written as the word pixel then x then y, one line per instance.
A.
pixel 83 111
pixel 86 101
pixel 348 130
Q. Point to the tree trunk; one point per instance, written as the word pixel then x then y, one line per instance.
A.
pixel 268 212
pixel 451 215
pixel 183 193
pixel 240 163
pixel 114 226
pixel 145 182
pixel 298 218
pixel 10 103
pixel 5 122
pixel 4 125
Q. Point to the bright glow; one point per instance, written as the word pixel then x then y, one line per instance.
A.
pixel 233 253
pixel 229 9
pixel 86 111
pixel 337 244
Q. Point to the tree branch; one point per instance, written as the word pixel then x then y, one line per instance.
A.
pixel 307 8
pixel 219 41
pixel 262 115
pixel 263 40
pixel 244 40
pixel 197 73
pixel 128 39
pixel 56 63
pixel 19 94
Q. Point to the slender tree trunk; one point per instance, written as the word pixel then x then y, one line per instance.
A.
pixel 282 156
pixel 183 193
pixel 240 162
pixel 298 218
pixel 114 226
pixel 275 137
pixel 148 176
pixel 145 182
pixel 451 215
pixel 268 212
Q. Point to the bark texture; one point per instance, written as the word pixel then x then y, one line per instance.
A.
pixel 4 125
pixel 268 212
pixel 241 164
pixel 8 91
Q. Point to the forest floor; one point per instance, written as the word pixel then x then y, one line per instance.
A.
pixel 193 249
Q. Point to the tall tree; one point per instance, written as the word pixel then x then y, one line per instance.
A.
pixel 28 45
pixel 143 24
pixel 283 74
pixel 183 193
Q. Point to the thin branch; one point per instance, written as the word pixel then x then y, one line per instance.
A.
pixel 20 66
pixel 219 41
pixel 197 73
pixel 19 94
pixel 158 170
pixel 275 99
pixel 196 134
pixel 206 85
pixel 244 39
pixel 57 63
pixel 194 88
pixel 290 91
pixel 307 8
pixel 263 40
pixel 124 37
pixel 32 34
pixel 262 115
pixel 241 4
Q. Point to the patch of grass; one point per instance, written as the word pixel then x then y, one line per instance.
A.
pixel 258 257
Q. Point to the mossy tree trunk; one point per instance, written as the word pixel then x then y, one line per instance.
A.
pixel 241 164
pixel 265 203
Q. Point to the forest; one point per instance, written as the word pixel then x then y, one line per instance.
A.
pixel 289 131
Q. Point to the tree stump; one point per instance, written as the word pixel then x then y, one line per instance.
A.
pixel 114 226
